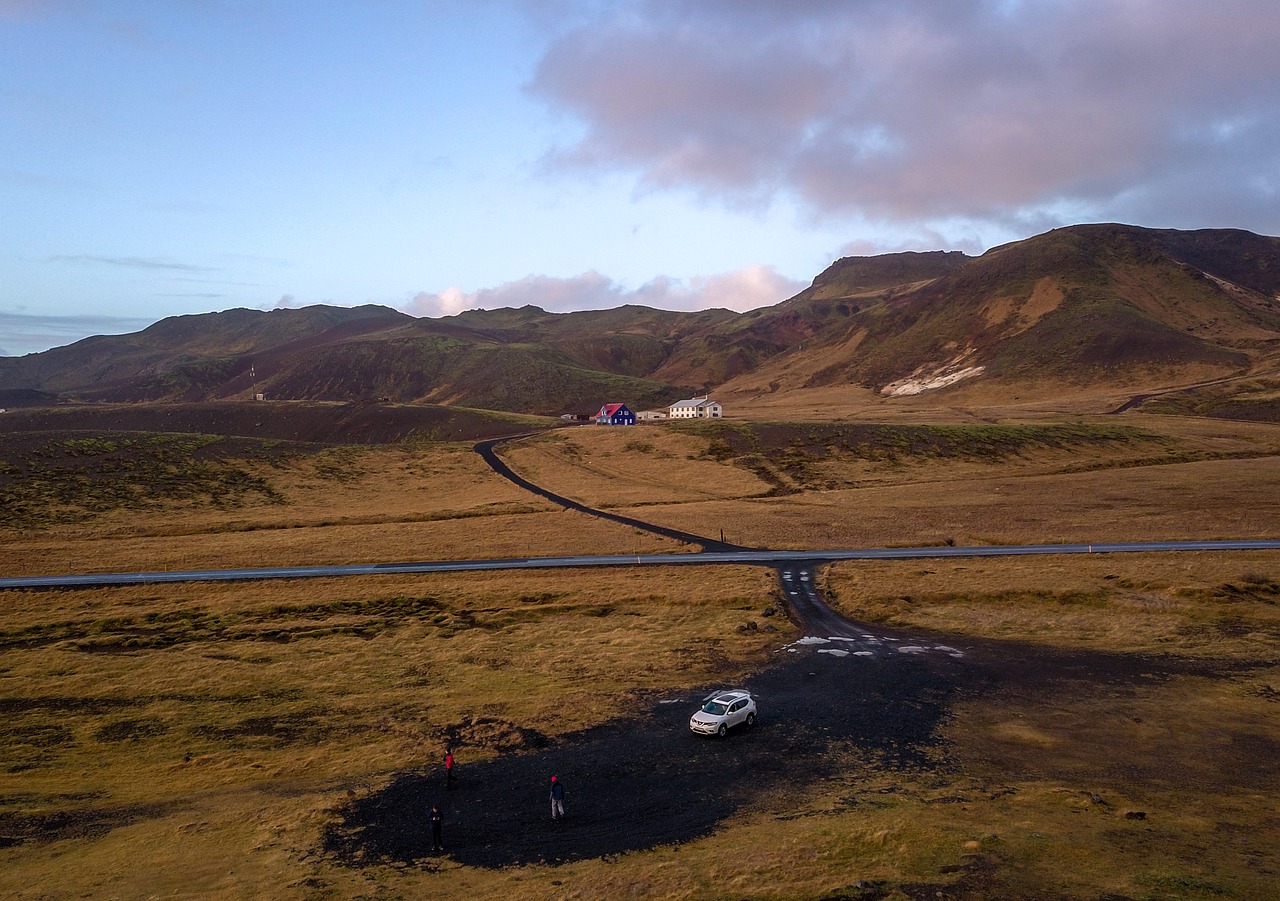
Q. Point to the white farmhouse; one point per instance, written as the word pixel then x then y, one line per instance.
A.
pixel 695 408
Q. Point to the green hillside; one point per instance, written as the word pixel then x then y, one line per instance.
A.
pixel 1089 304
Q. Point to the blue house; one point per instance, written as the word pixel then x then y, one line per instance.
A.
pixel 615 414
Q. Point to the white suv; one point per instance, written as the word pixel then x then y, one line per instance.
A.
pixel 722 710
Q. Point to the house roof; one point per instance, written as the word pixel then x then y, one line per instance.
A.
pixel 694 402
pixel 610 409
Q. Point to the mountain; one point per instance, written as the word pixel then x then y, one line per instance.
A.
pixel 1084 304
pixel 523 360
pixel 1087 304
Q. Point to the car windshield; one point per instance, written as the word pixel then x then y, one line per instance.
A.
pixel 715 708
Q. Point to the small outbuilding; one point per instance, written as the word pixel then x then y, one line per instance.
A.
pixel 615 414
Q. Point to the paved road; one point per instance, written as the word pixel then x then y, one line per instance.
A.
pixel 795 568
pixel 782 560
pixel 486 449
pixel 643 780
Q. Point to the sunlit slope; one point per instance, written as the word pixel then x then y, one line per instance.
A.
pixel 1091 306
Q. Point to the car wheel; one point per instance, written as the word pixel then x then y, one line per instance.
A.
pixel 723 730
pixel 751 719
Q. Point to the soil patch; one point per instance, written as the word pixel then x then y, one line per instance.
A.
pixel 42 828
pixel 646 780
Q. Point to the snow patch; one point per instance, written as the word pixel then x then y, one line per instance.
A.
pixel 834 652
pixel 909 387
pixel 930 377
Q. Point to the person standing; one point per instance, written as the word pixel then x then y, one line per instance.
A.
pixel 437 843
pixel 557 800
pixel 448 768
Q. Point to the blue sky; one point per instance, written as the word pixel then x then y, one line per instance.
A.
pixel 183 156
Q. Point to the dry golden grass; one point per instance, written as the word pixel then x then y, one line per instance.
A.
pixel 1155 789
pixel 1192 479
pixel 193 740
pixel 525 535
pixel 205 731
pixel 624 467
pixel 348 505
pixel 1193 605
pixel 1221 499
pixel 1156 792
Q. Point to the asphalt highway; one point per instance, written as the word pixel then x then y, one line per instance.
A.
pixel 795 560
pixel 794 567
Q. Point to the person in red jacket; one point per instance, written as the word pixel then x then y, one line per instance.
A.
pixel 448 768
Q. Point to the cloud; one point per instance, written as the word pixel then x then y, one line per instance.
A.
pixel 746 289
pixel 914 110
pixel 26 334
pixel 130 262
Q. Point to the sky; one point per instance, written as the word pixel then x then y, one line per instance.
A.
pixel 187 156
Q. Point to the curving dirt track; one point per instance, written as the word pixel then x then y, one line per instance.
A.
pixel 843 696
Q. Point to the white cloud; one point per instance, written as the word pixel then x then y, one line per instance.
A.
pixel 916 111
pixel 746 289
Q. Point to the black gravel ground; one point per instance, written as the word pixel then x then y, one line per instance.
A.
pixel 646 780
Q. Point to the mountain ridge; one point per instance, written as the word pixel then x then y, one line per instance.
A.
pixel 1085 303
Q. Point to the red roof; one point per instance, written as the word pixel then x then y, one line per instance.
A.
pixel 610 409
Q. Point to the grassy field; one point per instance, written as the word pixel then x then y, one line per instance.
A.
pixel 192 739
pixel 1162 781
pixel 308 507
pixel 196 740
pixel 824 485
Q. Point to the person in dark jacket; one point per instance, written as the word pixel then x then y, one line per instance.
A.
pixel 437 844
pixel 557 799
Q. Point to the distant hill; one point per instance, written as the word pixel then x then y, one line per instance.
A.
pixel 520 361
pixel 1085 304
pixel 1088 304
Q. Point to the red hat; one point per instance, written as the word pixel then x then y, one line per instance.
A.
pixel 553 778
